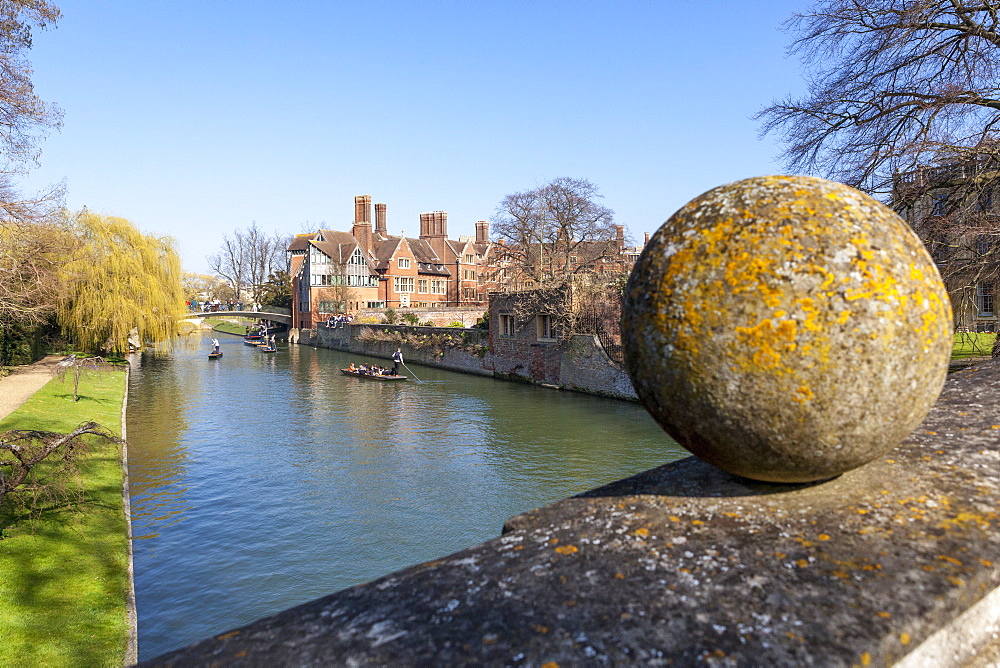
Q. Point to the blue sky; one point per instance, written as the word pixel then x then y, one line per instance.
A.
pixel 194 119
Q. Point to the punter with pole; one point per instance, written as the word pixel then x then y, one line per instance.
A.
pixel 397 359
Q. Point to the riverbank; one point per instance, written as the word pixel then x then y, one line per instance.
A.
pixel 579 363
pixel 65 577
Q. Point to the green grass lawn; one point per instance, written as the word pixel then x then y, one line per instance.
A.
pixel 973 344
pixel 64 573
pixel 227 326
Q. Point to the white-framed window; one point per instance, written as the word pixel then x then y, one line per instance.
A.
pixel 403 262
pixel 470 259
pixel 403 283
pixel 984 298
pixel 438 286
pixel 422 286
pixel 357 258
pixel 506 324
pixel 545 332
pixel 469 294
pixel 468 274
pixel 376 304
pixel 316 256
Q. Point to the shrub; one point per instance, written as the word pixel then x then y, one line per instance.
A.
pixel 456 323
pixel 411 319
pixel 390 317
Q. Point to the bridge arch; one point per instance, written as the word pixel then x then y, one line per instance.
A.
pixel 259 315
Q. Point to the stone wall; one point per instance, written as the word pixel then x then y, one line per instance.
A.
pixel 578 364
pixel 893 563
pixel 441 317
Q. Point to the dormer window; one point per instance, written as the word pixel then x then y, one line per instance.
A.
pixel 357 258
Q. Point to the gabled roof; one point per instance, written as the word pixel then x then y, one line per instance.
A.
pixel 338 246
pixel 384 250
pixel 300 242
pixel 427 259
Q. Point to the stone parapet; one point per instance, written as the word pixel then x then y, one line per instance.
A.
pixel 894 562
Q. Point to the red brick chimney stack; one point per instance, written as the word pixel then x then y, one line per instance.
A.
pixel 646 240
pixel 434 228
pixel 380 221
pixel 620 235
pixel 363 221
pixel 482 232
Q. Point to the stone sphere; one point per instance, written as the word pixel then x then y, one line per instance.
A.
pixel 786 329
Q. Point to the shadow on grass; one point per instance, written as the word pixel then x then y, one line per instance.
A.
pixel 64 573
pixel 80 397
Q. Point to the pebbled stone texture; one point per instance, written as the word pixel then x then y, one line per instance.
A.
pixel 786 329
pixel 687 565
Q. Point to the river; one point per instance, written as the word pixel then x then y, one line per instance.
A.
pixel 261 481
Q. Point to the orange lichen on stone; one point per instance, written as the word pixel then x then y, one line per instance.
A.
pixel 743 299
pixel 567 549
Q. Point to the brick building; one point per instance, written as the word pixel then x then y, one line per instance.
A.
pixel 516 267
pixel 336 272
pixel 953 209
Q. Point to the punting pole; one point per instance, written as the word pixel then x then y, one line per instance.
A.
pixel 414 375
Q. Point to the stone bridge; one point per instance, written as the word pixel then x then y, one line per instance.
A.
pixel 258 315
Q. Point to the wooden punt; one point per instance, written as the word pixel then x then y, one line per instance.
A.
pixel 214 355
pixel 371 376
pixel 267 349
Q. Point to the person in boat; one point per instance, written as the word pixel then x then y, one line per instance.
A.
pixel 351 368
pixel 215 345
pixel 397 359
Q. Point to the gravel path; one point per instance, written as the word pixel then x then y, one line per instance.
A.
pixel 24 382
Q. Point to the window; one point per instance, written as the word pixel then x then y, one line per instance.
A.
pixel 506 324
pixel 545 329
pixel 403 263
pixel 470 259
pixel 986 200
pixel 357 258
pixel 316 256
pixel 422 286
pixel 939 204
pixel 468 274
pixel 438 286
pixel 984 244
pixel 376 304
pixel 330 307
pixel 469 293
pixel 984 299
pixel 403 283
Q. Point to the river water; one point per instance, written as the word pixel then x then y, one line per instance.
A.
pixel 262 481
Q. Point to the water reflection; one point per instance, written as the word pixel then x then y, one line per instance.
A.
pixel 261 481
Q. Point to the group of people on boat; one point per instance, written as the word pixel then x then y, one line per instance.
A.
pixel 257 330
pixel 376 370
pixel 370 370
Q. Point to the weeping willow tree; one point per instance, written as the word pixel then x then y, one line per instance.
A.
pixel 121 280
